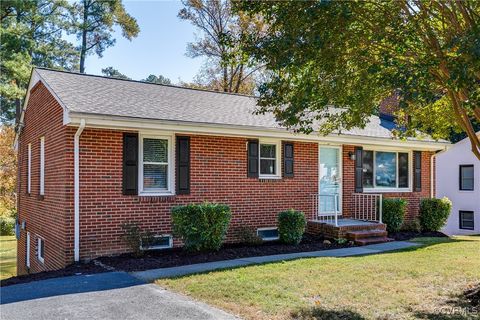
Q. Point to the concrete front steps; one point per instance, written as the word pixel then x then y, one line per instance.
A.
pixel 370 236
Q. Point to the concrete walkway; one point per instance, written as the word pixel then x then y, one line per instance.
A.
pixel 111 295
pixel 150 275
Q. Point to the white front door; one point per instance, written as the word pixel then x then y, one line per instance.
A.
pixel 330 180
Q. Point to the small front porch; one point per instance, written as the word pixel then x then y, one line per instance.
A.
pixel 363 226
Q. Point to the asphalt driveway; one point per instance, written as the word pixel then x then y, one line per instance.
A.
pixel 112 295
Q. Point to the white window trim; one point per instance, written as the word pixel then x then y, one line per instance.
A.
pixel 170 243
pixel 268 238
pixel 29 168
pixel 42 166
pixel 375 189
pixel 40 258
pixel 171 166
pixel 278 159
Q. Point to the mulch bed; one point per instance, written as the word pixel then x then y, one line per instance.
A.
pixel 71 270
pixel 407 235
pixel 177 257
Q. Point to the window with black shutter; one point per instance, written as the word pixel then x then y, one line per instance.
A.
pixel 288 160
pixel 358 169
pixel 417 173
pixel 253 158
pixel 130 163
pixel 183 165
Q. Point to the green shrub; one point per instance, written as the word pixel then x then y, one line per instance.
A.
pixel 411 226
pixel 201 226
pixel 248 235
pixel 291 226
pixel 434 213
pixel 7 226
pixel 393 213
pixel 136 239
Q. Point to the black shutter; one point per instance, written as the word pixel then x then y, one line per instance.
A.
pixel 252 155
pixel 358 169
pixel 417 171
pixel 130 163
pixel 183 165
pixel 288 159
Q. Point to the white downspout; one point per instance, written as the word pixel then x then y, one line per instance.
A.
pixel 432 172
pixel 76 190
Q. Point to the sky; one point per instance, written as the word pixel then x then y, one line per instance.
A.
pixel 158 49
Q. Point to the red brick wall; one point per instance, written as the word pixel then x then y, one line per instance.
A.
pixel 413 198
pixel 44 216
pixel 218 174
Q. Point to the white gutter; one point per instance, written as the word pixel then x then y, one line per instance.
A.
pixel 76 190
pixel 433 171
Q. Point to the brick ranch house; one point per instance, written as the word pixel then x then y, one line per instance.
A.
pixel 97 152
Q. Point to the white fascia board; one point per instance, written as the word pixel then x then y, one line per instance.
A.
pixel 144 125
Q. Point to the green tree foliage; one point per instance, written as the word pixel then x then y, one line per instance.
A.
pixel 157 79
pixel 114 73
pixel 31 33
pixel 220 41
pixel 354 54
pixel 93 24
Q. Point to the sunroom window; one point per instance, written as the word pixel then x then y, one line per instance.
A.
pixel 385 170
pixel 155 167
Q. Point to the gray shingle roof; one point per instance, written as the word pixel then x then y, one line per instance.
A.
pixel 108 96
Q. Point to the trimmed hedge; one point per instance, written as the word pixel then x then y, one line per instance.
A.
pixel 291 226
pixel 434 213
pixel 394 210
pixel 202 227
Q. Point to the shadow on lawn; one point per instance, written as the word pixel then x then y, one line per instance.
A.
pixel 317 313
pixel 464 306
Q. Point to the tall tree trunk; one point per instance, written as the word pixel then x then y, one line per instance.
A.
pixel 225 79
pixel 83 50
pixel 239 79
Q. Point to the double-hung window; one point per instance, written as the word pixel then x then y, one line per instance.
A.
pixel 269 159
pixel 467 220
pixel 386 170
pixel 466 177
pixel 156 168
pixel 29 168
pixel 42 166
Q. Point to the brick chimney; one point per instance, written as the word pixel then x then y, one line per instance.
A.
pixel 388 107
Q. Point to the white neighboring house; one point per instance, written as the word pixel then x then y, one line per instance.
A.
pixel 458 178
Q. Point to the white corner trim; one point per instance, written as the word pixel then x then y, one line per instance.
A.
pixel 76 196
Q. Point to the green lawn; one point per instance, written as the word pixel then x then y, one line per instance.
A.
pixel 410 284
pixel 8 257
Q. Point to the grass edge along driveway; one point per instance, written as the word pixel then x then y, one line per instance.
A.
pixel 8 257
pixel 408 284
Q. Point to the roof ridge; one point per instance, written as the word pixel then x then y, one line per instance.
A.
pixel 144 82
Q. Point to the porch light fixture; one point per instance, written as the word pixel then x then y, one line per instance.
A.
pixel 351 155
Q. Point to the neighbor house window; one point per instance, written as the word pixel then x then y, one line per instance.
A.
pixel 466 220
pixel 42 166
pixel 41 249
pixel 269 159
pixel 158 242
pixel 156 165
pixel 386 169
pixel 29 168
pixel 466 177
pixel 268 234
